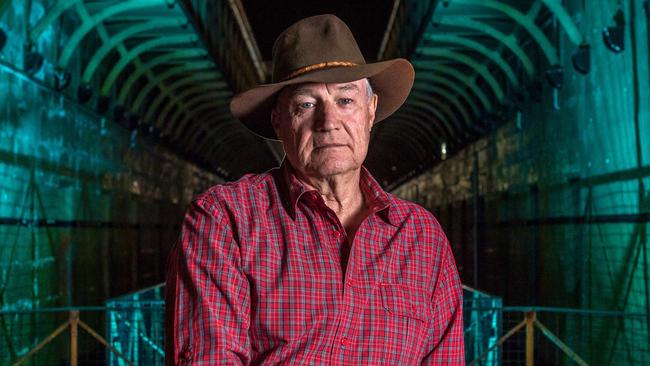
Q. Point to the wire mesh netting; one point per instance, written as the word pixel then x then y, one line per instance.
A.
pixel 482 326
pixel 45 336
pixel 570 336
pixel 128 331
pixel 136 327
pixel 133 328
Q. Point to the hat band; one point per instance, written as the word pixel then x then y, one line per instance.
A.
pixel 320 66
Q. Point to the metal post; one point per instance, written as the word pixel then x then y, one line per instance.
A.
pixel 74 322
pixel 31 191
pixel 475 191
pixel 530 338
pixel 643 201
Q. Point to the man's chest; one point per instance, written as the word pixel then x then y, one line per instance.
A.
pixel 315 252
pixel 300 292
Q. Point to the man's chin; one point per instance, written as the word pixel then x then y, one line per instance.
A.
pixel 337 168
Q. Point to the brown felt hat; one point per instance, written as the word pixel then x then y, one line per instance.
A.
pixel 321 49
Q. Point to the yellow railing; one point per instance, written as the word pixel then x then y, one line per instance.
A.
pixel 529 323
pixel 575 336
pixel 73 324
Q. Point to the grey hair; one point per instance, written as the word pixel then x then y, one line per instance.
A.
pixel 369 91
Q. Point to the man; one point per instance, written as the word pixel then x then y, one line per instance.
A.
pixel 313 263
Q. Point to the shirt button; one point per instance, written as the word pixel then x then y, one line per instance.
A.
pixel 337 234
pixel 344 342
pixel 313 196
pixel 186 356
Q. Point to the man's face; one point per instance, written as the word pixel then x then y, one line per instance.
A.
pixel 325 128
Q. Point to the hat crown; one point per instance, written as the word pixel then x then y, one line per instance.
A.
pixel 313 41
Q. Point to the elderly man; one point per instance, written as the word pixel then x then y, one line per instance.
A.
pixel 313 263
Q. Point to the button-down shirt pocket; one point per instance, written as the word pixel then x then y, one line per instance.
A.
pixel 403 300
pixel 410 311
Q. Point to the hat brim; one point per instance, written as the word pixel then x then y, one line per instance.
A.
pixel 391 81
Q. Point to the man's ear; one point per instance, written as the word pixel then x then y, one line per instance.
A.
pixel 275 120
pixel 372 108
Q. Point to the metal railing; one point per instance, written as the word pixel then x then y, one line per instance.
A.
pixel 565 336
pixel 482 318
pixel 62 335
pixel 130 331
pixel 72 324
pixel 135 325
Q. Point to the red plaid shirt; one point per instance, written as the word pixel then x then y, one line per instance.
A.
pixel 257 277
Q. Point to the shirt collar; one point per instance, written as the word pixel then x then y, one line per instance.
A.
pixel 291 189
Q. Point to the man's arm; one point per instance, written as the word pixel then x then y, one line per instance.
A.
pixel 447 341
pixel 207 294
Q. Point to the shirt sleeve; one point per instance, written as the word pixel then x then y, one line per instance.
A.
pixel 447 344
pixel 207 293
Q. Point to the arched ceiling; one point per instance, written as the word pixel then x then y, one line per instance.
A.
pixel 167 69
pixel 162 68
pixel 477 63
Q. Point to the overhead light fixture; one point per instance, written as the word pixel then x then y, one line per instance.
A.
pixel 3 39
pixel 555 76
pixel 581 59
pixel 614 36
pixel 443 151
pixel 61 79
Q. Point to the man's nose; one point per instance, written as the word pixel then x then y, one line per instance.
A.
pixel 327 117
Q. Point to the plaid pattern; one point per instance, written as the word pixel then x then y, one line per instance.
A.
pixel 258 277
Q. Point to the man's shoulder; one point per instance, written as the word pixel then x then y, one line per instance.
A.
pixel 423 231
pixel 245 189
pixel 418 220
pixel 412 211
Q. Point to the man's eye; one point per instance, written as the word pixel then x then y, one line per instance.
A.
pixel 345 100
pixel 306 105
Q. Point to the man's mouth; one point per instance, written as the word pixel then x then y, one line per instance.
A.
pixel 326 146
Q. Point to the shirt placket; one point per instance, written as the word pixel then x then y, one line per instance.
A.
pixel 344 348
pixel 353 297
pixel 335 240
pixel 343 338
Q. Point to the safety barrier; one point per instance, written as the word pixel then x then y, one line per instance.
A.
pixel 563 336
pixel 136 326
pixel 482 319
pixel 55 336
pixel 130 331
